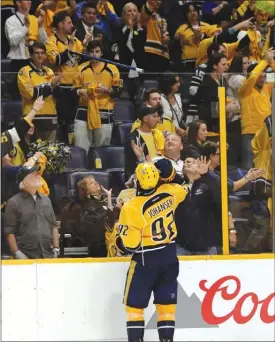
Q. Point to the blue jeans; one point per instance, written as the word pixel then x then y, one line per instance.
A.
pixel 210 251
pixel 247 155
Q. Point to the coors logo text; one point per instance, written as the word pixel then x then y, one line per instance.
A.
pixel 221 286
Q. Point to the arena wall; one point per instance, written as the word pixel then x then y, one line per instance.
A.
pixel 219 299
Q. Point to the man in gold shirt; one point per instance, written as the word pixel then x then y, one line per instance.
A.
pixel 50 8
pixel 144 141
pixel 36 80
pixel 254 96
pixel 96 83
pixel 60 48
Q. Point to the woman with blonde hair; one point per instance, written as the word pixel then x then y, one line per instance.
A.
pixel 130 38
pixel 91 215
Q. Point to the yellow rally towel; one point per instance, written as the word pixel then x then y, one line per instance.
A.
pixel 111 237
pixel 33 28
pixel 44 189
pixel 101 9
pixel 61 5
pixel 159 141
pixel 93 116
pixel 254 46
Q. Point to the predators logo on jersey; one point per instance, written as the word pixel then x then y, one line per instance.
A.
pixel 13 152
pixel 147 223
pixel 4 138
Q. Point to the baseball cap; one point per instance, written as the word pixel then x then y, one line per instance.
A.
pixel 25 171
pixel 148 110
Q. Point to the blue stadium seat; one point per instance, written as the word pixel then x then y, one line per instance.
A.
pixel 103 178
pixel 4 90
pixel 58 185
pixel 124 111
pixel 120 133
pixel 111 157
pixel 147 84
pixel 79 158
pixel 112 161
pixel 11 111
pixel 6 78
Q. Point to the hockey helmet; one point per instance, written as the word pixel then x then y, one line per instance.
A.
pixel 147 175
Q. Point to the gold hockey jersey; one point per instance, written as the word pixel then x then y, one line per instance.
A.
pixel 58 56
pixel 33 83
pixel 147 223
pixel 103 75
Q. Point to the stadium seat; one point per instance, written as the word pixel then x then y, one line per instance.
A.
pixel 112 161
pixel 4 90
pixel 79 158
pixel 6 78
pixel 5 65
pixel 124 111
pixel 147 84
pixel 111 157
pixel 11 112
pixel 58 185
pixel 103 178
pixel 120 133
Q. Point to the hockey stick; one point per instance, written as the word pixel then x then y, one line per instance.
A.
pixel 124 66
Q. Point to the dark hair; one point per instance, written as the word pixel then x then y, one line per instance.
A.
pixel 237 64
pixel 193 131
pixel 186 9
pixel 88 5
pixel 166 81
pixel 93 44
pixel 36 45
pixel 147 93
pixel 59 17
pixel 213 48
pixel 251 68
pixel 214 60
pixel 209 148
pixel 189 153
pixel 15 4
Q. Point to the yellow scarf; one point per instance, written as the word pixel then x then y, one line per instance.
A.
pixel 101 9
pixel 44 189
pixel 33 28
pixel 93 116
pixel 254 46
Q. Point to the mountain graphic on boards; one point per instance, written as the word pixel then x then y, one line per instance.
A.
pixel 188 315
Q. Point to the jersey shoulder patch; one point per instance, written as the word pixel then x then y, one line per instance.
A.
pixel 13 152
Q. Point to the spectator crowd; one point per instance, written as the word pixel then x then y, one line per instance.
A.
pixel 72 113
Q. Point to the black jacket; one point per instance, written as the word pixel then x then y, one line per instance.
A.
pixel 198 217
pixel 207 95
pixel 138 41
pixel 88 220
pixel 80 34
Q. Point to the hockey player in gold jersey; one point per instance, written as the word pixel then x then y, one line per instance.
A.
pixel 148 231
